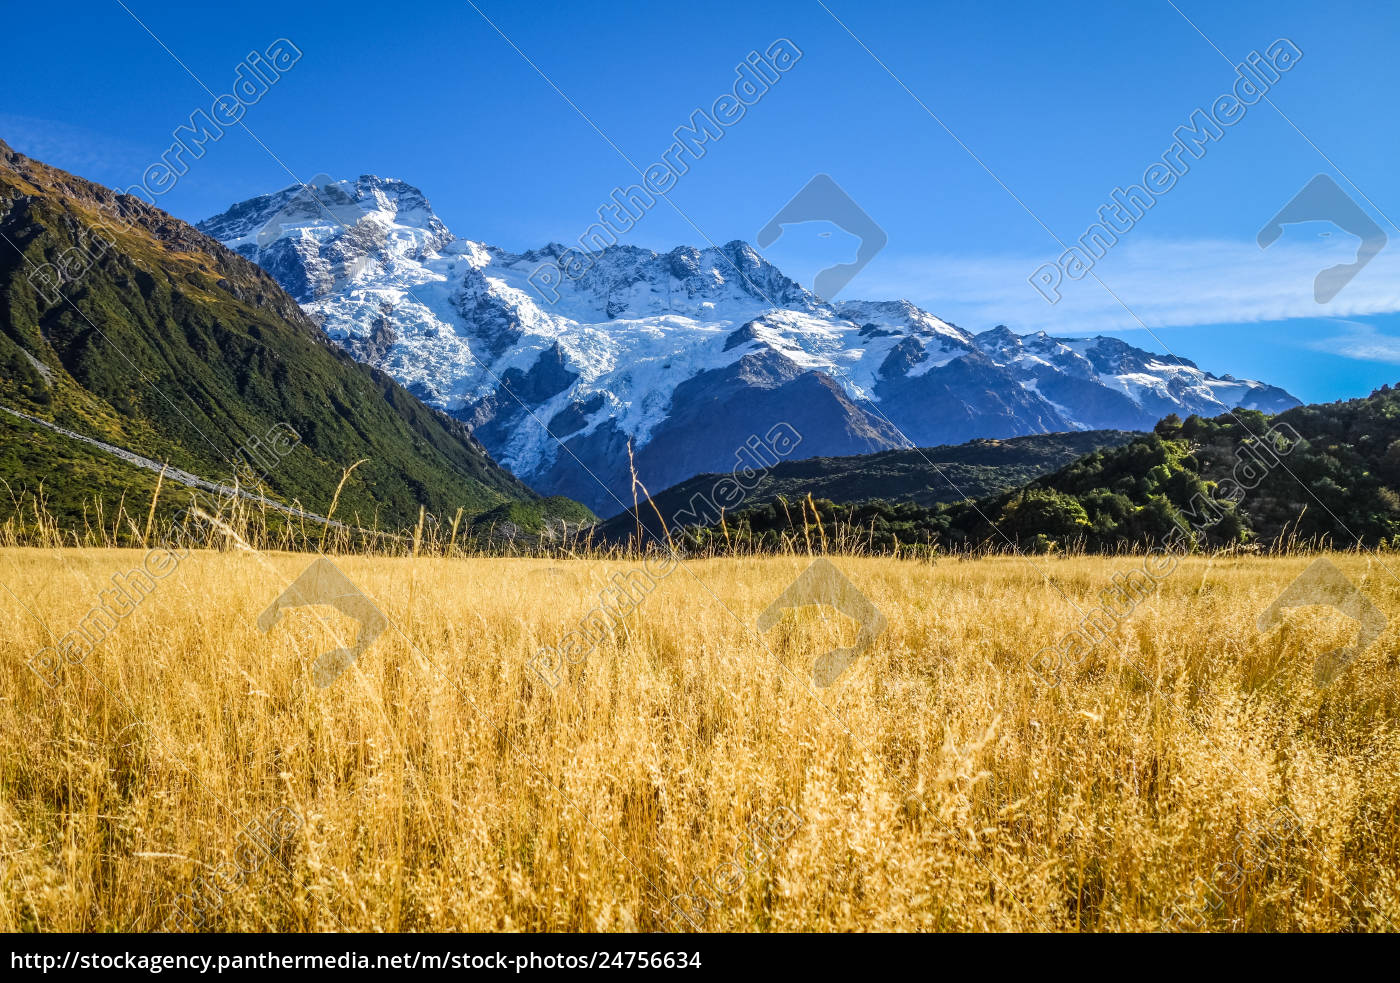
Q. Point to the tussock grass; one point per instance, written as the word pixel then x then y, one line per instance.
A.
pixel 439 784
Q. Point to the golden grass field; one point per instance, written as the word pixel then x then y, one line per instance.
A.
pixel 438 784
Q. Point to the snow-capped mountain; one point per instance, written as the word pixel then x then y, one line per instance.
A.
pixel 686 354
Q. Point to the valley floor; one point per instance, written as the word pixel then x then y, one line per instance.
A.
pixel 1187 773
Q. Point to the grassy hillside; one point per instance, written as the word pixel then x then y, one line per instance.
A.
pixel 170 346
pixel 62 477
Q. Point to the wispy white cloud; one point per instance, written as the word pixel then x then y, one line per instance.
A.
pixel 1164 283
pixel 1360 341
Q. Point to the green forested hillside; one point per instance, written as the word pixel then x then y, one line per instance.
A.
pixel 1335 480
pixel 925 477
pixel 166 344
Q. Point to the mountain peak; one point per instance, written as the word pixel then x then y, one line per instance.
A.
pixel 325 208
pixel 627 345
pixel 1001 333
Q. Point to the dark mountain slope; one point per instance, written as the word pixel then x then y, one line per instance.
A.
pixel 972 470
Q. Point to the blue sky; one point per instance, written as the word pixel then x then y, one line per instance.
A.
pixel 1061 105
